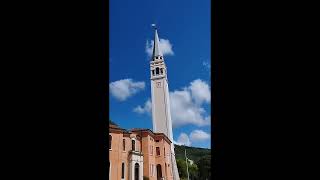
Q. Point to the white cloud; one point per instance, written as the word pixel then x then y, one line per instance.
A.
pixel 187 104
pixel 194 137
pixel 200 91
pixel 206 65
pixel 185 111
pixel 123 89
pixel 183 140
pixel 199 135
pixel 145 109
pixel 165 47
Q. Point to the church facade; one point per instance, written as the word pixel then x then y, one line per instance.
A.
pixel 142 152
pixel 137 153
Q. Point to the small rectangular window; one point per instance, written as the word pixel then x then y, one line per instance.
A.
pixel 133 143
pixel 122 171
pixel 110 141
pixel 158 151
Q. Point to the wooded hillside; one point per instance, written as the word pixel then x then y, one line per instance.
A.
pixel 193 153
pixel 201 169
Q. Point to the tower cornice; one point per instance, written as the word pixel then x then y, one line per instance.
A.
pixel 159 77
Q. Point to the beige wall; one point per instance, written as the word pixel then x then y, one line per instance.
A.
pixel 117 155
pixel 151 158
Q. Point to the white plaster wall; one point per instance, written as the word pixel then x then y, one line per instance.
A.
pixel 161 115
pixel 133 160
pixel 160 108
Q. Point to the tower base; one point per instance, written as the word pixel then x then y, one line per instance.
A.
pixel 175 171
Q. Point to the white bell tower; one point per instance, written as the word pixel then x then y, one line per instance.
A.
pixel 161 115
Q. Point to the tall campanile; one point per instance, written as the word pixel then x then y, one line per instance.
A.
pixel 161 116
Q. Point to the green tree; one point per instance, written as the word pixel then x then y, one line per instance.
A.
pixel 193 153
pixel 193 171
pixel 182 168
pixel 183 173
pixel 204 165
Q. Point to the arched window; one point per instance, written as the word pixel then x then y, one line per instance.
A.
pixel 133 145
pixel 152 72
pixel 158 151
pixel 159 172
pixel 122 171
pixel 110 141
pixel 124 144
pixel 157 71
pixel 136 171
pixel 161 70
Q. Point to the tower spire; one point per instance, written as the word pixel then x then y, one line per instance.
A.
pixel 156 48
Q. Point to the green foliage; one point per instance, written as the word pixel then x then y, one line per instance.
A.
pixel 192 152
pixel 193 171
pixel 182 168
pixel 204 165
pixel 201 169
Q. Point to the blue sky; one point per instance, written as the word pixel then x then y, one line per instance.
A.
pixel 184 27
